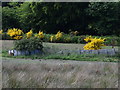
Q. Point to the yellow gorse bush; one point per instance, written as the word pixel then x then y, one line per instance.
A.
pixel 88 39
pixel 29 34
pixel 1 31
pixel 58 35
pixel 40 35
pixel 18 37
pixel 93 43
pixel 15 33
pixel 51 38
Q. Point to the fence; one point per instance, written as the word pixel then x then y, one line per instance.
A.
pixel 67 52
pixel 101 51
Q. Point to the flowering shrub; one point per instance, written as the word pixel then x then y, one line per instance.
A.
pixel 52 38
pixel 58 35
pixel 57 38
pixel 88 39
pixel 93 43
pixel 1 31
pixel 40 35
pixel 29 34
pixel 15 33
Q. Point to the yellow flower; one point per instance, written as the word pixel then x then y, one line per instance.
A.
pixel 58 35
pixel 51 38
pixel 40 35
pixel 29 34
pixel 1 31
pixel 15 33
pixel 88 39
pixel 94 43
pixel 17 37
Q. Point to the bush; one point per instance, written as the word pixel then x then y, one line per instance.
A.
pixel 65 38
pixel 47 37
pixel 4 36
pixel 81 39
pixel 10 18
pixel 28 44
pixel 15 33
pixel 93 43
pixel 112 40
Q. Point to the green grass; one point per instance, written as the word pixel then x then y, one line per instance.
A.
pixel 8 44
pixel 82 57
pixel 51 48
pixel 110 39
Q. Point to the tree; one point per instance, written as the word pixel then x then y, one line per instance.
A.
pixel 105 17
pixel 51 17
pixel 96 18
pixel 10 17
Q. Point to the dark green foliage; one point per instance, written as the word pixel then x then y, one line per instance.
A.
pixel 0 17
pixel 9 18
pixel 28 44
pixel 4 36
pixel 104 17
pixel 113 40
pixel 51 17
pixel 47 38
pixel 91 18
pixel 110 40
pixel 26 17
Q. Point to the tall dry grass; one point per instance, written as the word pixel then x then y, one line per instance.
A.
pixel 59 74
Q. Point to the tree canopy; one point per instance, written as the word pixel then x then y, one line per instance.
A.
pixel 95 18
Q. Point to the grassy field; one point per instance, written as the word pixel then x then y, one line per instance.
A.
pixel 82 57
pixel 52 49
pixel 60 72
pixel 8 44
pixel 40 73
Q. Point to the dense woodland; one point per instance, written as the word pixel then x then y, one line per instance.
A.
pixel 89 18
